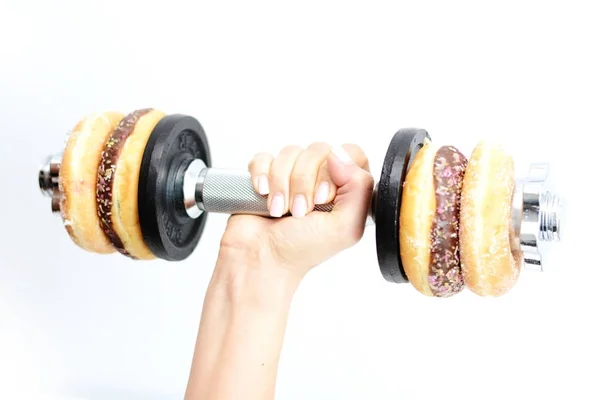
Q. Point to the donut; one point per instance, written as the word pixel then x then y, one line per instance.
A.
pixel 430 219
pixel 77 180
pixel 117 183
pixel 490 267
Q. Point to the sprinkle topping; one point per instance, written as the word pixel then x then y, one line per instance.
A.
pixel 445 276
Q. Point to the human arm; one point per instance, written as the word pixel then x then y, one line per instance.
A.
pixel 243 325
pixel 261 263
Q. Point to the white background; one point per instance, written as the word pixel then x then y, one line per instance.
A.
pixel 263 74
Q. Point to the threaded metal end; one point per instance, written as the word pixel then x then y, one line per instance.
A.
pixel 549 217
pixel 48 174
pixel 45 179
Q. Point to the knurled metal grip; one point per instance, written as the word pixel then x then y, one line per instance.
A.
pixel 228 191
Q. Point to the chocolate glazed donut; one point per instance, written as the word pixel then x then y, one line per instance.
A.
pixel 430 221
pixel 106 173
pixel 445 275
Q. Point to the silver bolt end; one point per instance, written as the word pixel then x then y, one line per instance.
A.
pixel 535 216
pixel 45 178
pixel 550 206
pixel 48 180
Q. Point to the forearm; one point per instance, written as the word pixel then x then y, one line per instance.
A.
pixel 241 331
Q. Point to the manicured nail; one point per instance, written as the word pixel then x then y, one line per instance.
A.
pixel 299 207
pixel 263 185
pixel 277 206
pixel 341 154
pixel 322 193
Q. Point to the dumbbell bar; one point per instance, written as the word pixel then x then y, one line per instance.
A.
pixel 178 188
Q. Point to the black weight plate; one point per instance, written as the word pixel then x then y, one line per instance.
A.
pixel 167 230
pixel 400 155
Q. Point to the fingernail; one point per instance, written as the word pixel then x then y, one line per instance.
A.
pixel 299 207
pixel 277 205
pixel 263 185
pixel 341 154
pixel 322 193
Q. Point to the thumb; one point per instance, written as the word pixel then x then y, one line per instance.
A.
pixel 353 197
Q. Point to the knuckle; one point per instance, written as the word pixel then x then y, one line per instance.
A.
pixel 367 179
pixel 252 164
pixel 290 149
pixel 356 152
pixel 319 147
pixel 365 183
pixel 260 160
pixel 353 147
pixel 262 154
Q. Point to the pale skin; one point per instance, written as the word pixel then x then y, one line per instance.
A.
pixel 262 261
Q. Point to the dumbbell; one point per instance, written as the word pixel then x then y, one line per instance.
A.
pixel 178 188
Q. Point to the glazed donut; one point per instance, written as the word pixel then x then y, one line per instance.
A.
pixel 117 182
pixel 490 267
pixel 77 181
pixel 429 221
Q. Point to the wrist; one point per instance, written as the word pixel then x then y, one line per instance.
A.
pixel 251 277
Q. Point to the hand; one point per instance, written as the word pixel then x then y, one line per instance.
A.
pixel 295 181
